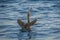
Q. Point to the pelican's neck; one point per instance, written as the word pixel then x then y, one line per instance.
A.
pixel 28 17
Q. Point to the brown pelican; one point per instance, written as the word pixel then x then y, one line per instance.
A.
pixel 26 26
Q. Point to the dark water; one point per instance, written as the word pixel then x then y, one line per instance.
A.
pixel 47 13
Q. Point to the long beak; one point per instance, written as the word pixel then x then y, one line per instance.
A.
pixel 28 15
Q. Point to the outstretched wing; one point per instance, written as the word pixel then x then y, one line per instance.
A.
pixel 21 23
pixel 33 22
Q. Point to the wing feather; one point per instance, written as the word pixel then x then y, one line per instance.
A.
pixel 33 22
pixel 21 23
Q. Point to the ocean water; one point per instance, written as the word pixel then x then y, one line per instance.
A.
pixel 47 13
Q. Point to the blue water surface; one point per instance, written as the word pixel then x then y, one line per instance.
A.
pixel 47 13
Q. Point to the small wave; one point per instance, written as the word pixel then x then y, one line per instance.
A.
pixel 58 6
pixel 8 1
pixel 33 0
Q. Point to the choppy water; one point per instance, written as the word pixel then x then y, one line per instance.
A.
pixel 47 14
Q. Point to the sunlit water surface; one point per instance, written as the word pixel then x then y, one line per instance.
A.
pixel 47 14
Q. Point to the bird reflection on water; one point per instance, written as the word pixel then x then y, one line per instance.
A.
pixel 20 35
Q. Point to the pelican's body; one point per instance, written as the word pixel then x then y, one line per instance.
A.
pixel 26 26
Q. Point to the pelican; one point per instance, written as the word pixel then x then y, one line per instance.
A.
pixel 26 26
